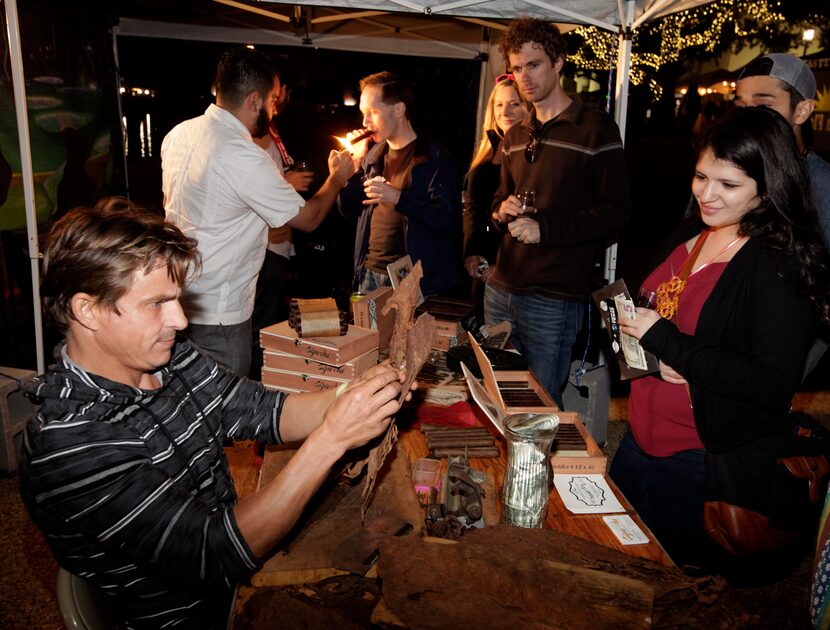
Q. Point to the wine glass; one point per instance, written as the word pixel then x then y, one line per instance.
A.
pixel 527 198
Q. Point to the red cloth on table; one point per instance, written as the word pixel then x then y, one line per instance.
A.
pixel 460 414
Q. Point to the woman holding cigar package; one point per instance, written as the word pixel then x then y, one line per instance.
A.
pixel 741 291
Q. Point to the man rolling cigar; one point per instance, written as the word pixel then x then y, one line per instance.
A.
pixel 123 467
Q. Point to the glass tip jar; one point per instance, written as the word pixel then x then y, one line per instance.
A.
pixel 527 478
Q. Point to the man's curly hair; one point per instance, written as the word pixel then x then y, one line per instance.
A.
pixel 545 34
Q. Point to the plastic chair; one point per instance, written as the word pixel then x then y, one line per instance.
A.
pixel 82 605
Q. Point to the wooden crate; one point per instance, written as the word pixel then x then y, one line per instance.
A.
pixel 591 461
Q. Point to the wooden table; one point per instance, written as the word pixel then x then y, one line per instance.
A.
pixel 310 560
pixel 588 526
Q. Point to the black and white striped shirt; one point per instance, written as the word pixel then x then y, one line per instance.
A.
pixel 132 489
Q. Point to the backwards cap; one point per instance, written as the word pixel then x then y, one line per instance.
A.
pixel 791 70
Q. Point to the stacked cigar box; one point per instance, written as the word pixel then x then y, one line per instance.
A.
pixel 448 314
pixel 313 364
pixel 507 392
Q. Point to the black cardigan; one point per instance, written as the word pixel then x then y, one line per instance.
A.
pixel 746 358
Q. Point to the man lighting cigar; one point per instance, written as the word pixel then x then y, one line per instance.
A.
pixel 224 191
pixel 405 192
pixel 123 466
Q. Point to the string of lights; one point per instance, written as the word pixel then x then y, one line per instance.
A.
pixel 704 26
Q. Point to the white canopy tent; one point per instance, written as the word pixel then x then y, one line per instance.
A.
pixel 418 27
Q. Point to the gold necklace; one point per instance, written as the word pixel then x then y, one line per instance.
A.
pixel 668 293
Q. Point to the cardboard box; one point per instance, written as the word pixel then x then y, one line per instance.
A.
pixel 298 381
pixel 368 314
pixel 331 350
pixel 293 363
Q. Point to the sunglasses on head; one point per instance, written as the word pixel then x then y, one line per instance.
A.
pixel 504 77
pixel 532 147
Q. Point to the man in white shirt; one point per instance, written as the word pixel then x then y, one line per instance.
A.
pixel 223 190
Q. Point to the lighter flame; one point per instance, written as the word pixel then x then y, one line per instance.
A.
pixel 345 143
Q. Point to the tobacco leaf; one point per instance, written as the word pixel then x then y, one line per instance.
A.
pixel 409 349
pixel 403 301
pixel 375 462
pixel 419 344
pixel 509 589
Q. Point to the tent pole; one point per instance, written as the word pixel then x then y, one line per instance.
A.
pixel 623 67
pixel 621 109
pixel 26 168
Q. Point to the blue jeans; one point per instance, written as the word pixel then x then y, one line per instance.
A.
pixel 544 331
pixel 371 280
pixel 668 494
pixel 228 345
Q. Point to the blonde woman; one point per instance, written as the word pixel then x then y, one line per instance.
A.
pixel 505 108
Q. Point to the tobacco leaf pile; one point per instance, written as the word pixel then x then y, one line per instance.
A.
pixel 509 577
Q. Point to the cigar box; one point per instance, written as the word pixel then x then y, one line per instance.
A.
pixel 448 327
pixel 574 450
pixel 505 393
pixel 332 350
pixel 448 314
pixel 513 391
pixel 368 313
pixel 452 309
pixel 445 342
pixel 298 381
pixel 275 360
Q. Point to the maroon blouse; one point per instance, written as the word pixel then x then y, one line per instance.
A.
pixel 660 413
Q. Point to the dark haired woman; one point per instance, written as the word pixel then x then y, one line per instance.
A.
pixel 740 294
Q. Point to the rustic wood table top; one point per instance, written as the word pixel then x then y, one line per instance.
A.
pixel 588 526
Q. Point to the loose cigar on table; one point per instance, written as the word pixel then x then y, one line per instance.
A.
pixel 452 442
pixel 437 428
pixel 461 435
pixel 469 452
pixel 460 438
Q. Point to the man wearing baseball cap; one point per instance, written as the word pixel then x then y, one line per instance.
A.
pixel 787 85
